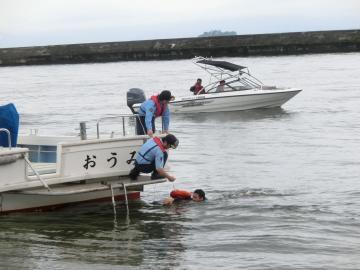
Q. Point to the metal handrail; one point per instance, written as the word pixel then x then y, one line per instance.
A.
pixel 9 136
pixel 122 116
pixel 242 76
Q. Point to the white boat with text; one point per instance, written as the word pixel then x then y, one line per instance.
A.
pixel 241 91
pixel 46 172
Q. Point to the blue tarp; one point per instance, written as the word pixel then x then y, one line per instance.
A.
pixel 9 119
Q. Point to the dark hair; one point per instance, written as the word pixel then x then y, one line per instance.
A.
pixel 171 140
pixel 201 193
pixel 199 79
pixel 165 95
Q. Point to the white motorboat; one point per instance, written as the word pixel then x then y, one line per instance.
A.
pixel 241 91
pixel 45 172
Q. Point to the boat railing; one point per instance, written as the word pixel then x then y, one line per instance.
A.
pixel 251 82
pixel 218 73
pixel 234 84
pixel 123 118
pixel 8 135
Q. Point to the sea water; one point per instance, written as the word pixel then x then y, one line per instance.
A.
pixel 283 184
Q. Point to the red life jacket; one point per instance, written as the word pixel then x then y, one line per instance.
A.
pixel 198 88
pixel 180 194
pixel 160 108
pixel 159 143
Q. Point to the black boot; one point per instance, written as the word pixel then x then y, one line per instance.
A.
pixel 134 173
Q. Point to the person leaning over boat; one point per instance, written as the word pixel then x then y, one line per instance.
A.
pixel 152 156
pixel 197 88
pixel 150 109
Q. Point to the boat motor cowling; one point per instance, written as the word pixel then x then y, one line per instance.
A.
pixel 134 96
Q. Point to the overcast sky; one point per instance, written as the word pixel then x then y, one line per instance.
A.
pixel 50 22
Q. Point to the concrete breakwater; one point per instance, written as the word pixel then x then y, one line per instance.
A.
pixel 185 48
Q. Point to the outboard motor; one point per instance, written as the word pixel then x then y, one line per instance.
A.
pixel 134 96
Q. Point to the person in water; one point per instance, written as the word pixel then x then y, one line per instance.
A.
pixel 197 88
pixel 152 156
pixel 150 109
pixel 178 194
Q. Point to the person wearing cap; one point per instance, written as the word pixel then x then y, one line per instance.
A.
pixel 150 109
pixel 178 194
pixel 221 86
pixel 152 156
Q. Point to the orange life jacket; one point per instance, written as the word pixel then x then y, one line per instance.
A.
pixel 159 143
pixel 160 108
pixel 180 194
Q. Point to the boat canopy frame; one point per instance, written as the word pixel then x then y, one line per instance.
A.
pixel 229 72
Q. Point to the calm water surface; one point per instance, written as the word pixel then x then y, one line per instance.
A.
pixel 283 184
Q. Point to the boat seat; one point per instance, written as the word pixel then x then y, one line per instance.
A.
pixel 42 168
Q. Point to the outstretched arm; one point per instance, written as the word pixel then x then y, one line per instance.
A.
pixel 164 174
pixel 166 119
pixel 149 110
pixel 168 201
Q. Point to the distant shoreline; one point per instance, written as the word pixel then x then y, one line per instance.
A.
pixel 186 48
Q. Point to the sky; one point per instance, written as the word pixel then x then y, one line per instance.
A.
pixel 51 22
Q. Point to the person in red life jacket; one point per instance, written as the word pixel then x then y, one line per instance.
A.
pixel 178 194
pixel 197 88
pixel 150 109
pixel 152 156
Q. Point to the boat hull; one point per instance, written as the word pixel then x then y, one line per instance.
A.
pixel 104 189
pixel 18 202
pixel 233 101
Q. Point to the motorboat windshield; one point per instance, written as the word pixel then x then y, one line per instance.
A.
pixel 236 77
